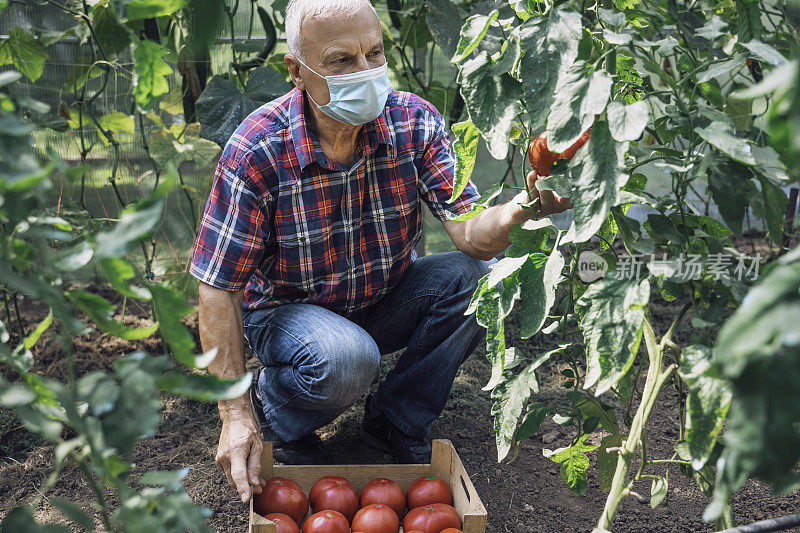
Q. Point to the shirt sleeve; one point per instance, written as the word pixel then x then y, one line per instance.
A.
pixel 233 229
pixel 437 173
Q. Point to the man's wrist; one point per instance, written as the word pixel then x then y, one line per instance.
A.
pixel 237 408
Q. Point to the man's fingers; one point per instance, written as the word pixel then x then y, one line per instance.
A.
pixel 254 465
pixel 239 475
pixel 225 465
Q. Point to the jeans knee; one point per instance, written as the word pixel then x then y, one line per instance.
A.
pixel 348 370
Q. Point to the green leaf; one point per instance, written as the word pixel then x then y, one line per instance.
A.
pixel 772 207
pixel 721 68
pixel 510 397
pixel 730 189
pixel 99 390
pixel 597 173
pixel 169 152
pixel 137 411
pixel 472 33
pixel 707 403
pixel 757 350
pixel 627 122
pixel 748 24
pixel 549 47
pixel 118 271
pixel 26 52
pixel 492 102
pixel 169 306
pixel 607 460
pixel 713 28
pixel 723 137
pixel 504 268
pixel 74 513
pixel 765 52
pixel 145 9
pixel 466 149
pixel 658 491
pixel 535 414
pixel 527 239
pixel 222 107
pixel 205 387
pixel 34 336
pixel 101 311
pixel 136 222
pixel 574 464
pixel 481 204
pixel 592 407
pixel 580 95
pixel 14 395
pixel 74 257
pixel 114 36
pixel 612 328
pixel 445 23
pixel 538 280
pixel 151 72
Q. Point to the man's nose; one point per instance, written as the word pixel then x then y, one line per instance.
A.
pixel 361 63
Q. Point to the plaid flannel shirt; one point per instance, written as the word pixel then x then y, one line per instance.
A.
pixel 291 226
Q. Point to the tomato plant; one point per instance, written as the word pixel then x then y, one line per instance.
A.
pixel 376 518
pixel 427 490
pixel 385 491
pixel 432 518
pixel 326 522
pixel 669 87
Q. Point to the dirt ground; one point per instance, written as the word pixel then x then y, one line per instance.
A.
pixel 526 495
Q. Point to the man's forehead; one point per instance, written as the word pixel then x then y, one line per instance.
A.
pixel 325 34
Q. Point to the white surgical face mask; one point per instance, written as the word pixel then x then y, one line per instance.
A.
pixel 358 97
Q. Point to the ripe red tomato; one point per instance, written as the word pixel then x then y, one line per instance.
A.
pixel 385 491
pixel 426 490
pixel 336 496
pixel 326 522
pixel 376 518
pixel 569 153
pixel 312 494
pixel 540 156
pixel 432 518
pixel 281 495
pixel 451 530
pixel 284 523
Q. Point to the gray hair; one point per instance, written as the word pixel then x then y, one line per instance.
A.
pixel 298 10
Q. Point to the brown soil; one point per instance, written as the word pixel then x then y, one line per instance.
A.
pixel 525 495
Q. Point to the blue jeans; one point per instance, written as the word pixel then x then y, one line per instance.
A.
pixel 319 362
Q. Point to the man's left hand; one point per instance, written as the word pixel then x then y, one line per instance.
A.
pixel 548 201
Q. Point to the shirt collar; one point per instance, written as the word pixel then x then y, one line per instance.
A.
pixel 306 143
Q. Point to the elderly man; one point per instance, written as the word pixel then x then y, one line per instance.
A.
pixel 306 250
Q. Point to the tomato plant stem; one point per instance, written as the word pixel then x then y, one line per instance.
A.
pixel 656 377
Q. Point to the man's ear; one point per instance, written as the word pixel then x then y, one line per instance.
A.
pixel 294 71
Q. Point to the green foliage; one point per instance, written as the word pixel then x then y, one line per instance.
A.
pixel 757 351
pixel 104 414
pixel 151 73
pixel 25 51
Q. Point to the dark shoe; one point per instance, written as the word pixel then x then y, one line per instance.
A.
pixel 379 433
pixel 307 450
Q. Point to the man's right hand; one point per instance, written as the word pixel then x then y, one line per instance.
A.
pixel 239 454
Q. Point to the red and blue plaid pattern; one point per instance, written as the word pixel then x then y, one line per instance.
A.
pixel 291 226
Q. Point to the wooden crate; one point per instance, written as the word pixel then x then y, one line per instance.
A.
pixel 445 464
